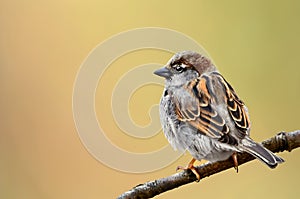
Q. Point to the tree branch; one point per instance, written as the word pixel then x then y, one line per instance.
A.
pixel 281 142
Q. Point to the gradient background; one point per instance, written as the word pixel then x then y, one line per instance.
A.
pixel 42 44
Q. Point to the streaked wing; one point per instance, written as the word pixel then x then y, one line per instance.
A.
pixel 236 107
pixel 200 114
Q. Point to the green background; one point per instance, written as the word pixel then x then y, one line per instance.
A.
pixel 255 45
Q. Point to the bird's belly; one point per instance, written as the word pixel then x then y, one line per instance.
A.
pixel 204 147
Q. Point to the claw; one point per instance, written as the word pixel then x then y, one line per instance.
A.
pixel 192 168
pixel 181 168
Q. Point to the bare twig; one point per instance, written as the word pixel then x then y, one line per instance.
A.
pixel 281 142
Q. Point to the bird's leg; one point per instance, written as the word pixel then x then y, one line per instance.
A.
pixel 191 167
pixel 235 162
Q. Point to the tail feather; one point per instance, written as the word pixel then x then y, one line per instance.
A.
pixel 261 153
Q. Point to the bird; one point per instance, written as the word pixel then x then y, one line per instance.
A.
pixel 201 113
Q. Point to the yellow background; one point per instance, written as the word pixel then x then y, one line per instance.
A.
pixel 255 44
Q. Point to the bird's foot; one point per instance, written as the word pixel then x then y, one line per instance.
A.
pixel 235 162
pixel 190 167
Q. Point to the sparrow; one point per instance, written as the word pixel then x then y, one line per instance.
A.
pixel 201 113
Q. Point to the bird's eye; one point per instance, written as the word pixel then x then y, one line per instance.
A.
pixel 179 68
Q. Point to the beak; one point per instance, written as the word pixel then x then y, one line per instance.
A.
pixel 163 72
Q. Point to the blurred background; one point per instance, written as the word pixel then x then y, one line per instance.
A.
pixel 255 44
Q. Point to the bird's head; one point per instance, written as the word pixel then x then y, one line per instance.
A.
pixel 185 66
